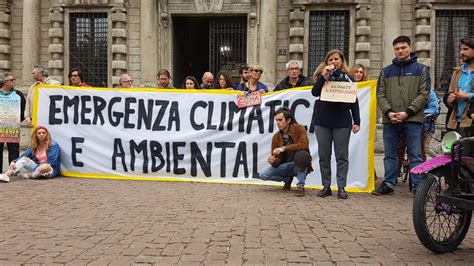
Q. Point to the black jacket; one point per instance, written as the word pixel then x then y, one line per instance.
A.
pixel 285 83
pixel 333 114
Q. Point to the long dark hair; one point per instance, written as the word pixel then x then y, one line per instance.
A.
pixel 193 79
pixel 228 83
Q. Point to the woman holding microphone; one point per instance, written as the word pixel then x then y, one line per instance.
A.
pixel 334 122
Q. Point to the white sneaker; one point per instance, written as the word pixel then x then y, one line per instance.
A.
pixel 4 178
pixel 23 175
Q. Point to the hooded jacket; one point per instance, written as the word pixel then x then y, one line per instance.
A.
pixel 404 86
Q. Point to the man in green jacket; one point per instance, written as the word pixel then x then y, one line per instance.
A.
pixel 402 94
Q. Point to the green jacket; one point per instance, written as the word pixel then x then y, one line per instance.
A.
pixel 404 87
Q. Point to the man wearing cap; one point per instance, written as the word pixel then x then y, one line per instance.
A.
pixel 460 90
pixel 289 155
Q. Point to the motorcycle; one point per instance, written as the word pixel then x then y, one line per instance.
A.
pixel 444 199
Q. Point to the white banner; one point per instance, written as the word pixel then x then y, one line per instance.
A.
pixel 176 134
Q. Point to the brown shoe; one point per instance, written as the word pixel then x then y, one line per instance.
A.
pixel 287 185
pixel 299 192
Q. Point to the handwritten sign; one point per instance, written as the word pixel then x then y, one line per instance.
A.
pixel 10 118
pixel 343 92
pixel 249 99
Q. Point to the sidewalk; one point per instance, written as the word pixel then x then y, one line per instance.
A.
pixel 106 222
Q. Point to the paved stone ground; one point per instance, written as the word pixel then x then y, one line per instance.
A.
pixel 105 222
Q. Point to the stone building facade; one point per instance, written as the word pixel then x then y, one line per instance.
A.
pixel 142 36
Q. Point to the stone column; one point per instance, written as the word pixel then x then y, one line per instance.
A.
pixel 119 43
pixel 423 33
pixel 56 47
pixel 268 40
pixel 296 48
pixel 5 35
pixel 391 28
pixel 363 30
pixel 30 37
pixel 149 40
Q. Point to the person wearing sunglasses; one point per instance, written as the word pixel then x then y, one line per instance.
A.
pixel 253 84
pixel 7 84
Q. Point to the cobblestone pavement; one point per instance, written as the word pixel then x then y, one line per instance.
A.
pixel 99 222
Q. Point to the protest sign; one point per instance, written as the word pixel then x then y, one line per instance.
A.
pixel 249 99
pixel 187 136
pixel 10 118
pixel 335 91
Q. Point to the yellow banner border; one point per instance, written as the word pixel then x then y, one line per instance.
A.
pixel 371 145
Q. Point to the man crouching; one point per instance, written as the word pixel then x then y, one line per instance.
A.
pixel 290 153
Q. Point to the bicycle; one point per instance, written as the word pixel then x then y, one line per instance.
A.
pixel 443 203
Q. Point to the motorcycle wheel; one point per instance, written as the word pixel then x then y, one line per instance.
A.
pixel 439 227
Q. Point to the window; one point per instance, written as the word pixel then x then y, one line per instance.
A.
pixel 328 30
pixel 88 46
pixel 451 27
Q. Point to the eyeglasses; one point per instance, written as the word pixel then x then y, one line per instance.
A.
pixel 293 68
pixel 258 71
pixel 128 81
pixel 10 80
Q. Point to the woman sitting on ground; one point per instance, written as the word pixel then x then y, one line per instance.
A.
pixel 40 160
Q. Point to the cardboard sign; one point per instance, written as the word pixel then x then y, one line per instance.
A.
pixel 10 118
pixel 249 99
pixel 342 92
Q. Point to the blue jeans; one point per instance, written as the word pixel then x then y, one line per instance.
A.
pixel 283 173
pixel 391 140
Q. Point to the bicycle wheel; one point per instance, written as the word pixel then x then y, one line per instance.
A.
pixel 439 227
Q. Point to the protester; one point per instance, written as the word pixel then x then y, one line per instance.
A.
pixel 75 78
pixel 223 81
pixel 163 79
pixel 289 155
pixel 253 84
pixel 126 81
pixel 334 122
pixel 244 73
pixel 402 95
pixel 358 73
pixel 40 160
pixel 460 90
pixel 190 82
pixel 41 76
pixel 294 78
pixel 207 80
pixel 7 83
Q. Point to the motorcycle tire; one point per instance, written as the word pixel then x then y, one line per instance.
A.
pixel 431 220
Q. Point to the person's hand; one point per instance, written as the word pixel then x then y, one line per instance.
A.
pixel 28 122
pixel 12 165
pixel 462 95
pixel 271 159
pixel 24 158
pixel 279 150
pixel 393 117
pixel 401 116
pixel 355 128
pixel 452 97
pixel 328 69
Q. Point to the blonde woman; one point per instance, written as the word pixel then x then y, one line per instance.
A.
pixel 358 73
pixel 334 122
pixel 40 160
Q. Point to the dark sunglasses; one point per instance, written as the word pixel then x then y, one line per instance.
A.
pixel 258 71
